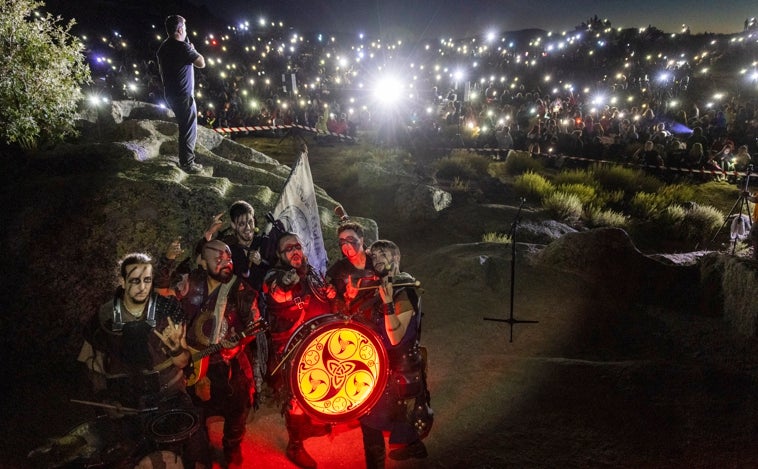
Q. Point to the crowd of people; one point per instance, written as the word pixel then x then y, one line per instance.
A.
pixel 595 92
pixel 243 297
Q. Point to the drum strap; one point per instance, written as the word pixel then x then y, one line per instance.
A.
pixel 218 312
pixel 416 303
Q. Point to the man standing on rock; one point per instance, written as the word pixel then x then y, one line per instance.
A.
pixel 176 58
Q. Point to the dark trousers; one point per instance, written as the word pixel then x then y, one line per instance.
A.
pixel 373 447
pixel 230 398
pixel 186 118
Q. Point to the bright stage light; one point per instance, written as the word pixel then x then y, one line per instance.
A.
pixel 388 90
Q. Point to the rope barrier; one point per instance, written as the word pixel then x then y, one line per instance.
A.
pixel 261 128
pixel 712 172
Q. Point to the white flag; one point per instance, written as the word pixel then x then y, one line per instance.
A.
pixel 298 211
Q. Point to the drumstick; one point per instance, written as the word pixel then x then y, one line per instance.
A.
pixel 115 407
pixel 412 284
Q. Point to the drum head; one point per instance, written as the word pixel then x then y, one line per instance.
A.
pixel 173 425
pixel 339 371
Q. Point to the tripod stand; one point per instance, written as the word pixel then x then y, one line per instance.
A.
pixel 511 320
pixel 737 211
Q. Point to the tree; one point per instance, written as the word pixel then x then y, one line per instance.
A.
pixel 41 75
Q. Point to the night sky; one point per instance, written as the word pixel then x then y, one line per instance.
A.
pixel 456 18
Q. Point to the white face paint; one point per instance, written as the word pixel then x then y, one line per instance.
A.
pixel 244 228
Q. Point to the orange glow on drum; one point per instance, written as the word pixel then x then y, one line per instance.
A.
pixel 339 371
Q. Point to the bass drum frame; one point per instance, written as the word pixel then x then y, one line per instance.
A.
pixel 337 368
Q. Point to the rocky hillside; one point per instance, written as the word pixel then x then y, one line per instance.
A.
pixel 72 212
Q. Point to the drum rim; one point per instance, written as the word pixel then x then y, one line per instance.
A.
pixel 185 434
pixel 333 321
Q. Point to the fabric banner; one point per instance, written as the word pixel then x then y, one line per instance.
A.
pixel 298 211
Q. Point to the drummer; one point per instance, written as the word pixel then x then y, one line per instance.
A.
pixel 295 293
pixel 135 350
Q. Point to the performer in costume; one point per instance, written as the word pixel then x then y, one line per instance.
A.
pixel 403 410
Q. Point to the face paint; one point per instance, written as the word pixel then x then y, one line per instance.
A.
pixel 383 261
pixel 138 284
pixel 350 243
pixel 244 228
pixel 291 252
pixel 218 261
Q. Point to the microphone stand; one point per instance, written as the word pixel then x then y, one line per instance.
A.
pixel 511 320
pixel 742 203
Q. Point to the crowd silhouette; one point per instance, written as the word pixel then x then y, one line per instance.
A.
pixel 595 91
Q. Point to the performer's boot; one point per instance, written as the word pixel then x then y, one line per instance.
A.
pixel 414 450
pixel 311 429
pixel 295 450
pixel 373 447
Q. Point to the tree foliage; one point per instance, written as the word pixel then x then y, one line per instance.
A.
pixel 41 75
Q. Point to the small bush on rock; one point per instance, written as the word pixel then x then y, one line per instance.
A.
pixel 701 222
pixel 563 206
pixel 519 162
pixel 463 165
pixel 596 217
pixel 585 193
pixel 532 186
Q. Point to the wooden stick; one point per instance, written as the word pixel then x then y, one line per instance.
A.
pixel 115 407
pixel 412 284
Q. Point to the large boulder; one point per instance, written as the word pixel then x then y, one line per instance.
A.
pixel 420 201
pixel 542 231
pixel 115 112
pixel 607 256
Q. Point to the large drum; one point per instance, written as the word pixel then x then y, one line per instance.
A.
pixel 337 368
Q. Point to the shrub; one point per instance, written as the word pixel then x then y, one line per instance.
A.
pixel 645 205
pixel 677 193
pixel 596 217
pixel 382 154
pixel 610 199
pixel 462 164
pixel 43 70
pixel 498 170
pixel 563 206
pixel 575 176
pixel 669 221
pixel 672 215
pixel 459 185
pixel 615 177
pixel 501 238
pixel 519 162
pixel 532 186
pixel 585 193
pixel 702 221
